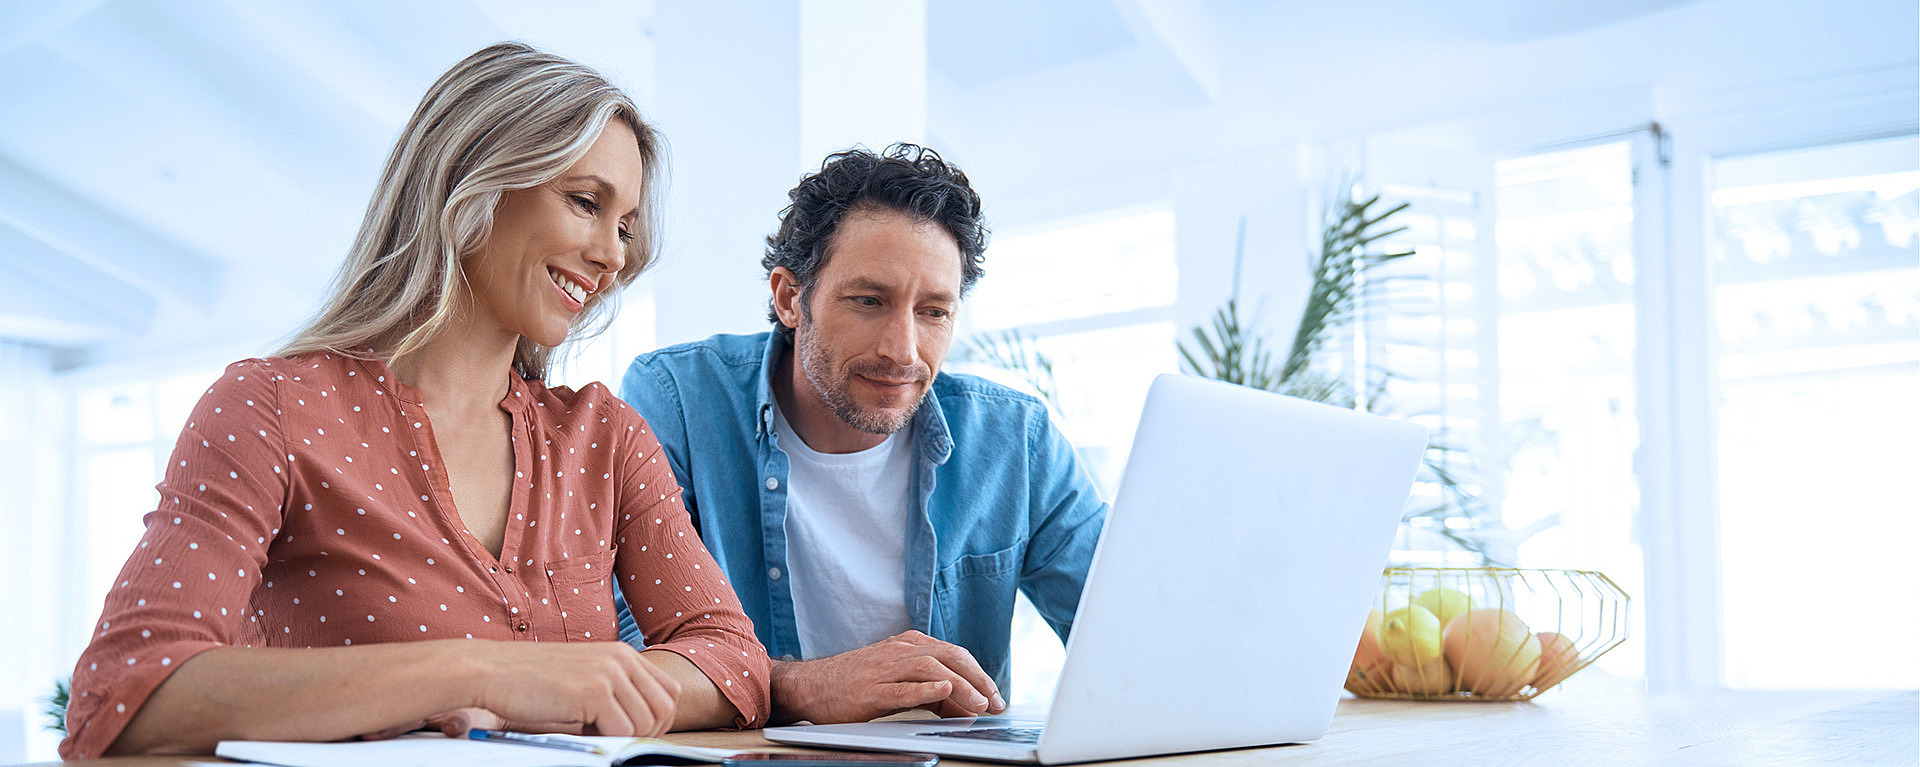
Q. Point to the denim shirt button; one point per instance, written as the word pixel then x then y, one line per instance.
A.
pixel 773 573
pixel 773 483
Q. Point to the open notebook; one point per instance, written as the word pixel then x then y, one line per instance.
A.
pixel 433 750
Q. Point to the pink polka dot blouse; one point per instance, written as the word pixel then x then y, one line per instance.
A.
pixel 305 506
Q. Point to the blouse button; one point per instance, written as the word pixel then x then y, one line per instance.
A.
pixel 522 628
pixel 509 571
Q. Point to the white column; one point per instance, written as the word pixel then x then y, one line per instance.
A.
pixel 749 96
pixel 727 98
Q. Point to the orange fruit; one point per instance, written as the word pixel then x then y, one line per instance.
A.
pixel 1492 651
pixel 1370 666
pixel 1431 679
pixel 1558 659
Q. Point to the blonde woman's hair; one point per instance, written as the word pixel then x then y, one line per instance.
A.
pixel 507 117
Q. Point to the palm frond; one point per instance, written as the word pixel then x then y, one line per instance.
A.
pixel 1229 352
pixel 1343 287
pixel 56 709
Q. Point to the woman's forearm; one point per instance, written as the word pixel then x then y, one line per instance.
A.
pixel 699 706
pixel 266 693
pixel 255 693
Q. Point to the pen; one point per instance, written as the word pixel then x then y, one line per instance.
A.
pixel 543 741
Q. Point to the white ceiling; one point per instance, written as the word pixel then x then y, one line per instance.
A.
pixel 174 172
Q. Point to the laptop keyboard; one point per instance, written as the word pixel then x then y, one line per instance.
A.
pixel 1002 734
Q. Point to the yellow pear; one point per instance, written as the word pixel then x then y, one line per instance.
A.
pixel 1410 636
pixel 1492 651
pixel 1444 603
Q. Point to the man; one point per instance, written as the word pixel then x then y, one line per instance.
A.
pixel 874 515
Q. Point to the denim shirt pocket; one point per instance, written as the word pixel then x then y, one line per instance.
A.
pixel 583 592
pixel 973 595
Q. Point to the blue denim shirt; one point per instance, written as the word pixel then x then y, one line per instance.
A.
pixel 1000 501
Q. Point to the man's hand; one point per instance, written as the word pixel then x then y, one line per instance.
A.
pixel 909 670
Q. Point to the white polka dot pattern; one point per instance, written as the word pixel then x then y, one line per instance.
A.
pixel 290 519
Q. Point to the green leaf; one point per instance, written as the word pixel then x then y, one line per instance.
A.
pixel 1226 350
pixel 56 709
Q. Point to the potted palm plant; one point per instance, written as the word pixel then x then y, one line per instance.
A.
pixel 1345 278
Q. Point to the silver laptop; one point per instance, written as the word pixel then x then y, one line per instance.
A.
pixel 1229 586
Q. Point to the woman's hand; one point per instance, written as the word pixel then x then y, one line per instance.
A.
pixel 594 688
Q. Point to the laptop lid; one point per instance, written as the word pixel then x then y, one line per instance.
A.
pixel 1236 567
pixel 1235 571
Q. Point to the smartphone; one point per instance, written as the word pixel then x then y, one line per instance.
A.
pixel 849 759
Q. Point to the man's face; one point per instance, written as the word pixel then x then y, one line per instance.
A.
pixel 872 333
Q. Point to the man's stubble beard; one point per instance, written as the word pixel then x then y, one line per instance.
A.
pixel 816 362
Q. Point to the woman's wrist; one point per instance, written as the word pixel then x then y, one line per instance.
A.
pixel 465 669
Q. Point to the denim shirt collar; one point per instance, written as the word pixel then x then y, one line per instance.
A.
pixel 932 440
pixel 769 367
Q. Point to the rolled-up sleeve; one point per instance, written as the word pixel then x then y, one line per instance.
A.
pixel 1064 525
pixel 677 594
pixel 186 587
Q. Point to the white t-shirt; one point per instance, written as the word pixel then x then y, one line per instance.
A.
pixel 847 517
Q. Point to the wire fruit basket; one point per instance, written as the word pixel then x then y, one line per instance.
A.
pixel 1482 633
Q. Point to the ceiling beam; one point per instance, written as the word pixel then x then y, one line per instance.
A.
pixel 52 297
pixel 1180 31
pixel 22 23
pixel 103 240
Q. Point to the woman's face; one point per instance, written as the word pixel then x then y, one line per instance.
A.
pixel 554 246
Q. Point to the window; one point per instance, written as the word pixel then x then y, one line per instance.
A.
pixel 123 433
pixel 1817 307
pixel 1547 353
pixel 1423 322
pixel 1521 358
pixel 1568 423
pixel 1096 297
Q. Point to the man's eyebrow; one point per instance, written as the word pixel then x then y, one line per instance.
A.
pixel 941 296
pixel 869 285
pixel 866 285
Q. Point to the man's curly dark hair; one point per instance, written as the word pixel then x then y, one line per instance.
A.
pixel 906 178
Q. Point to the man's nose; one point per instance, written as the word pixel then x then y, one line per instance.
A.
pixel 898 340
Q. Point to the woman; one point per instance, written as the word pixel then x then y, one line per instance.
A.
pixel 394 522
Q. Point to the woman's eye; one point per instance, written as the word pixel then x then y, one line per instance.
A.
pixel 626 236
pixel 585 204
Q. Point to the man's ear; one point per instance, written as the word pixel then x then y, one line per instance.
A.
pixel 786 296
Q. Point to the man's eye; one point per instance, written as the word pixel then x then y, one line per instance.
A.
pixel 866 300
pixel 938 314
